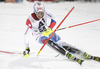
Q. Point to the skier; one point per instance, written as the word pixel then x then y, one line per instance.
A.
pixel 38 26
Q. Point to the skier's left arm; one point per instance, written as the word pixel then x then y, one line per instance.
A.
pixel 51 26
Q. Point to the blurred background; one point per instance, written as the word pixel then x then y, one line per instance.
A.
pixel 19 1
pixel 13 16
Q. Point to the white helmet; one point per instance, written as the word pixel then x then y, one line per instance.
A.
pixel 39 7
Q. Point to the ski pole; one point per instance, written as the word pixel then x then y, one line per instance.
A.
pixel 7 52
pixel 55 30
pixel 79 24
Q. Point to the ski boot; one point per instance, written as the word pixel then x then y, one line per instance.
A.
pixel 26 52
pixel 87 56
pixel 71 56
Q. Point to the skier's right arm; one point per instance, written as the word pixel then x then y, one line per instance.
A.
pixel 27 32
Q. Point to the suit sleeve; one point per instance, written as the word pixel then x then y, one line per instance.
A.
pixel 53 19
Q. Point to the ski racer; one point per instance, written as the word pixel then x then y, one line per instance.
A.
pixel 39 27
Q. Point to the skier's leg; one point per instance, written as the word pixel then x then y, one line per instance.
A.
pixel 53 44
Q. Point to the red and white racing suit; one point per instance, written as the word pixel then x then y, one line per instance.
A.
pixel 36 27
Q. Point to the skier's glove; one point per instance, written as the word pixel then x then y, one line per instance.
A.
pixel 47 32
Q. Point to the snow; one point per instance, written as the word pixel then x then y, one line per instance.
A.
pixel 86 37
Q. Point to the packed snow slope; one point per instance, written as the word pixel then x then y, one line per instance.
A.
pixel 85 37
